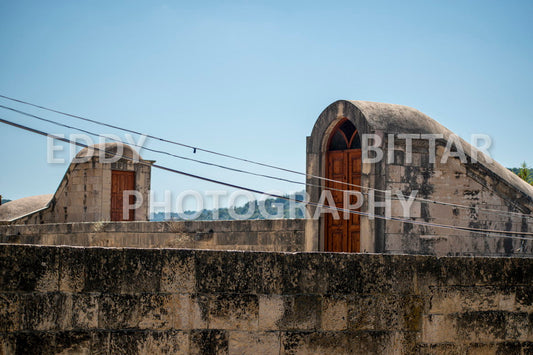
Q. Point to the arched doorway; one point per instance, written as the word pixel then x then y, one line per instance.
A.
pixel 343 164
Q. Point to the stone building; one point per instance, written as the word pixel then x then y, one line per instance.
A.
pixel 91 190
pixel 434 178
pixel 420 156
pixel 153 289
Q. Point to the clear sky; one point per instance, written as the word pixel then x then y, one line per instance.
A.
pixel 250 78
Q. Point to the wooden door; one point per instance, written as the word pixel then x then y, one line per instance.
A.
pixel 343 164
pixel 121 181
pixel 343 234
pixel 354 222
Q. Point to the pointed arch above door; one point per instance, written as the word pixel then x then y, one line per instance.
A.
pixel 343 164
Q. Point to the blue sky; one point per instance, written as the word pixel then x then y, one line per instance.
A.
pixel 250 78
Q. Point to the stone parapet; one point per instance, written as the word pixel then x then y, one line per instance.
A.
pixel 261 235
pixel 144 301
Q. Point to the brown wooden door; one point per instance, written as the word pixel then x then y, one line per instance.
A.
pixel 120 182
pixel 343 234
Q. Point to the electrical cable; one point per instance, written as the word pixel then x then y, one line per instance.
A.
pixel 486 232
pixel 476 208
pixel 155 150
pixel 170 154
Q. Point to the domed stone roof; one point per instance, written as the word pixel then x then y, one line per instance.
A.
pixel 23 206
pixel 113 148
pixel 370 117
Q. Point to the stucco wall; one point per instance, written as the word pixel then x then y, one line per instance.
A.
pixel 266 235
pixel 111 300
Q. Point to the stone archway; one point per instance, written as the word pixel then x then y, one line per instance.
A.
pixel 343 165
pixel 319 157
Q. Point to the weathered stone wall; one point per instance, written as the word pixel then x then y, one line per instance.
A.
pixel 111 300
pixel 265 235
pixel 487 196
pixel 84 194
pixel 478 184
pixel 259 235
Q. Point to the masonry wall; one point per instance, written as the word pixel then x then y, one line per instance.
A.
pixel 265 235
pixel 476 184
pixel 84 194
pixel 112 300
pixel 467 184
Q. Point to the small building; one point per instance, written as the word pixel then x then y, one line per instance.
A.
pixel 91 190
pixel 399 182
pixel 378 149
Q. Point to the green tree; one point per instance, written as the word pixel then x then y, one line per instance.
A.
pixel 525 173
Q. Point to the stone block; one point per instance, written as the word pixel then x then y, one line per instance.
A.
pixel 523 299
pixel 301 312
pixel 141 271
pixel 430 272
pixel 29 268
pixel 189 311
pixel 411 209
pixel 7 343
pixel 394 243
pixel 135 342
pixel 334 314
pixel 41 311
pixel 31 343
pixel 385 313
pixel 301 274
pixel 104 270
pixel 440 349
pixel 253 342
pixel 447 300
pixel 73 269
pixel 438 329
pixel 72 342
pixel 266 238
pixel 261 225
pixel 78 311
pixel 226 272
pixel 361 314
pixel 386 274
pixel 315 343
pixel 443 213
pixel 395 172
pixel 139 311
pixel 212 341
pixel 337 343
pixel 233 311
pixel 222 226
pixel 241 225
pixel 271 311
pixel 235 238
pixel 10 312
pixel 494 326
pixel 178 271
pixel 338 274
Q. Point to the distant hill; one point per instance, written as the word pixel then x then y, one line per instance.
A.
pixel 276 207
pixel 5 200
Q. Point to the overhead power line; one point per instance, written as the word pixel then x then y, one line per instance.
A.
pixel 168 153
pixel 194 148
pixel 153 150
pixel 486 232
pixel 421 199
